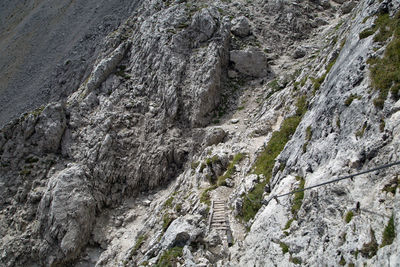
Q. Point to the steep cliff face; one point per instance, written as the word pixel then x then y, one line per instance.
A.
pixel 194 102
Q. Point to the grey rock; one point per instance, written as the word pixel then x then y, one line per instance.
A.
pixel 182 231
pixel 252 62
pixel 299 53
pixel 66 214
pixel 50 128
pixel 325 4
pixel 339 1
pixel 214 137
pixel 58 58
pixel 241 26
pixel 348 6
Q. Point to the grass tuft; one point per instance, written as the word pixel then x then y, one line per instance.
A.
pixel 349 216
pixel 385 71
pixel 170 257
pixel 388 233
pixel 284 247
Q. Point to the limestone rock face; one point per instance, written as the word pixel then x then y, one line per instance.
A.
pixel 181 110
pixel 241 26
pixel 127 129
pixel 252 62
pixel 66 214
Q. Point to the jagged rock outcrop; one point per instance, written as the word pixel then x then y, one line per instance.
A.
pixel 127 129
pixel 48 48
pixel 124 171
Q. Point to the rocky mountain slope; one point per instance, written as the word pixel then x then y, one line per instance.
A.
pixel 47 48
pixel 191 102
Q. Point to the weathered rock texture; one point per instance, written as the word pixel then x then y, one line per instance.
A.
pixel 124 168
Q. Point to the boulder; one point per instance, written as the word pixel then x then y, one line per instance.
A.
pixel 252 62
pixel 50 128
pixel 299 53
pixel 182 231
pixel 214 136
pixel 348 7
pixel 66 215
pixel 241 27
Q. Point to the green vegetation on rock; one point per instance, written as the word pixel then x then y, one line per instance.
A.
pixel 284 247
pixel 266 160
pixel 230 170
pixel 349 216
pixel 388 233
pixel 170 257
pixel 298 197
pixel 385 71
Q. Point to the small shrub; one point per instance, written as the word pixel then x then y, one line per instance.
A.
pixel 202 166
pixel 350 99
pixel 170 257
pixel 388 233
pixel 167 220
pixel 168 203
pixel 349 216
pixel 295 260
pixel 342 261
pixel 367 32
pixel 288 224
pixel 178 207
pixel 284 247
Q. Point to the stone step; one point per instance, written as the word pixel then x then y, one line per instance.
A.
pixel 219 218
pixel 219 209
pixel 221 228
pixel 218 221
